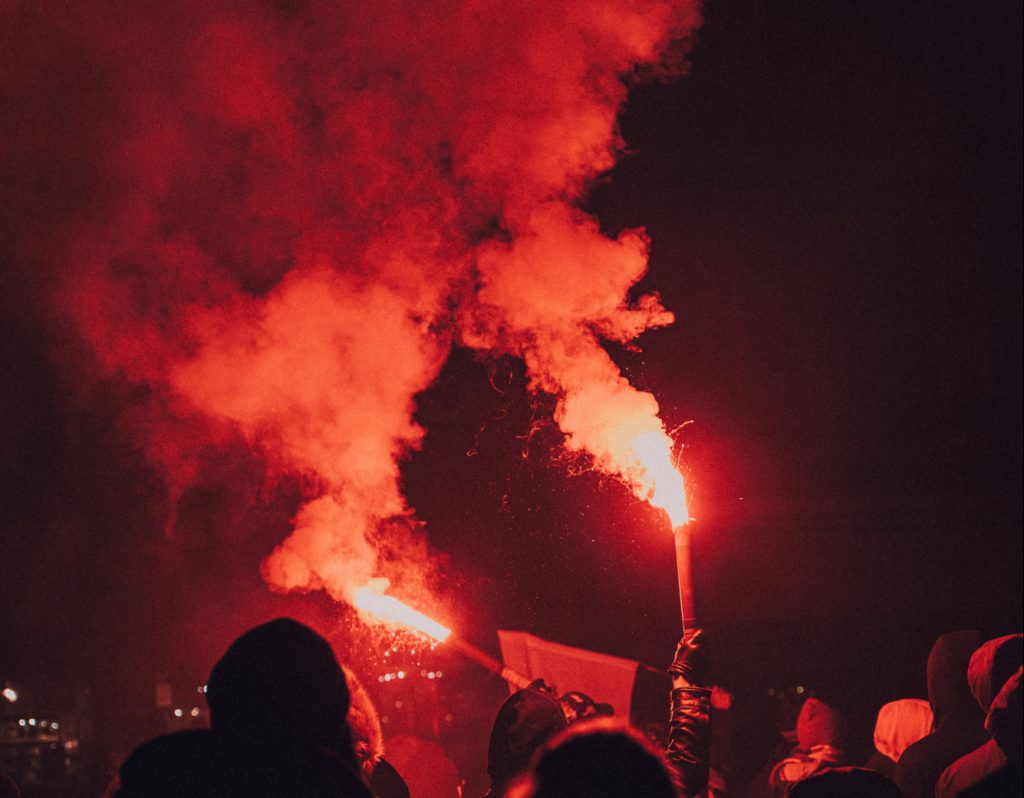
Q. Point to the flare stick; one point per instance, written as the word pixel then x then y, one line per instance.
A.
pixel 514 678
pixel 684 575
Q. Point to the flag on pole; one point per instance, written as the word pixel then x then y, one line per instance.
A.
pixel 604 678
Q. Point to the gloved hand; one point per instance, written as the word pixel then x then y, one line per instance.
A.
pixel 691 660
pixel 689 729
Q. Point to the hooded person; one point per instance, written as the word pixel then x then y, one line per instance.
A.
pixel 278 707
pixel 994 678
pixel 900 724
pixel 1005 721
pixel 368 742
pixel 959 723
pixel 526 721
pixel 820 733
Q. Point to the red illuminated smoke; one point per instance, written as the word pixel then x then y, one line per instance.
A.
pixel 289 211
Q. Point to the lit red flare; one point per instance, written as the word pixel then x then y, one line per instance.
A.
pixel 371 601
pixel 660 482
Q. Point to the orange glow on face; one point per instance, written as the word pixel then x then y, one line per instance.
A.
pixel 371 601
pixel 660 480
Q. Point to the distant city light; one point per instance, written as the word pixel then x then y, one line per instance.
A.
pixel 195 712
pixel 10 694
pixel 178 713
pixel 31 721
pixel 55 726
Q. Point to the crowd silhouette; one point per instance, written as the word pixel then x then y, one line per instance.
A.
pixel 287 719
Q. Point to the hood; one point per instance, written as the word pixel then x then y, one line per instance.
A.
pixel 819 724
pixel 991 665
pixel 1006 718
pixel 279 685
pixel 527 720
pixel 948 692
pixel 900 724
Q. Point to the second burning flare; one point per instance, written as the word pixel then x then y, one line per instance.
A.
pixel 665 489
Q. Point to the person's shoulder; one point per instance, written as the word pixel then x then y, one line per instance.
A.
pixel 1008 780
pixel 946 785
pixel 970 769
pixel 172 764
pixel 916 752
pixel 910 769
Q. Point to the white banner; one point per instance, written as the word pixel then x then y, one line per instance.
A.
pixel 606 679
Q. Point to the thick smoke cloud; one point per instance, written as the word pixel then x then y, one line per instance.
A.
pixel 276 218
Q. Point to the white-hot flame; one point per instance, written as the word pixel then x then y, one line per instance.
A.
pixel 371 601
pixel 660 480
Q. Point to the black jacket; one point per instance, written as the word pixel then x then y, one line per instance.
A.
pixel 958 718
pixel 689 739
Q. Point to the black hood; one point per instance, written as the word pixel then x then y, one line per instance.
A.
pixel 280 684
pixel 1005 721
pixel 527 720
pixel 948 690
pixel 991 665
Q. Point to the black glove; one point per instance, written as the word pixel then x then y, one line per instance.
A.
pixel 691 659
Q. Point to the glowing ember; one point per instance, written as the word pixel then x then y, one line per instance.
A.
pixel 660 482
pixel 389 610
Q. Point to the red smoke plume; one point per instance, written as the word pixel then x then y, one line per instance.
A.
pixel 281 215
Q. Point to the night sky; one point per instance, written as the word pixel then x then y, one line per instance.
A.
pixel 833 200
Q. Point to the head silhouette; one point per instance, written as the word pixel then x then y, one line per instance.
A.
pixel 846 783
pixel 527 720
pixel 601 759
pixel 280 685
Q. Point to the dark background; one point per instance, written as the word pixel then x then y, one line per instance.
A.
pixel 833 197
